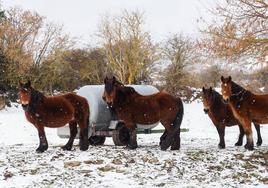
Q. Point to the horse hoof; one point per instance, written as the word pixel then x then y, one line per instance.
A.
pixel 221 146
pixel 259 143
pixel 249 147
pixel 131 147
pixel 66 148
pixel 84 147
pixel 238 144
pixel 175 148
pixel 39 150
pixel 164 147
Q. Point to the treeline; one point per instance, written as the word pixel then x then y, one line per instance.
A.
pixel 33 48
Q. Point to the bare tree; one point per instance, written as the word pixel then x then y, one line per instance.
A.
pixel 180 52
pixel 211 75
pixel 128 48
pixel 240 28
pixel 26 39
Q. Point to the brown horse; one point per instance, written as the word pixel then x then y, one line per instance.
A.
pixel 246 106
pixel 133 109
pixel 54 112
pixel 221 115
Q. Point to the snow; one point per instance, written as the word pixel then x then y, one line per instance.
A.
pixel 199 163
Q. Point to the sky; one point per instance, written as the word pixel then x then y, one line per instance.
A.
pixel 81 17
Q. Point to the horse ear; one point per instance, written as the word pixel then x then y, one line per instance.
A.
pixel 114 79
pixel 210 89
pixel 28 84
pixel 203 89
pixel 222 78
pixel 20 83
pixel 105 79
pixel 229 79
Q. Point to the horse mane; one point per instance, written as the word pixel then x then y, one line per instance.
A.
pixel 119 83
pixel 217 97
pixel 236 88
pixel 238 92
pixel 36 98
pixel 124 94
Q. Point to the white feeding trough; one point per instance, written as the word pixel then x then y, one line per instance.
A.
pixel 101 123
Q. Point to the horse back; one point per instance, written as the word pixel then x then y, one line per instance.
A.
pixel 150 108
pixel 79 103
pixel 161 100
pixel 256 107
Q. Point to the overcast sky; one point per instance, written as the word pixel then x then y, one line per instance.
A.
pixel 81 17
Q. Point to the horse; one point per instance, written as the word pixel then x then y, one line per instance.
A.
pixel 55 111
pixel 133 108
pixel 221 115
pixel 246 106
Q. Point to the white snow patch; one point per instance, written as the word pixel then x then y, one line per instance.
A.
pixel 199 163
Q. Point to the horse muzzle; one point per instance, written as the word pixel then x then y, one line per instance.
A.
pixel 25 107
pixel 206 110
pixel 110 104
pixel 226 101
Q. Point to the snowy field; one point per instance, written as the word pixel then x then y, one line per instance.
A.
pixel 199 163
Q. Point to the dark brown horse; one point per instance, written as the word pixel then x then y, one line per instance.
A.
pixel 133 109
pixel 221 115
pixel 54 112
pixel 246 106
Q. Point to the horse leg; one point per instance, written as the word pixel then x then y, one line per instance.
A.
pixel 132 142
pixel 173 129
pixel 257 127
pixel 43 145
pixel 83 139
pixel 73 132
pixel 240 137
pixel 176 141
pixel 221 132
pixel 164 144
pixel 163 137
pixel 248 131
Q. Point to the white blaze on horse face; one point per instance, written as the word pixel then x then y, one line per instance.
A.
pixel 206 106
pixel 24 99
pixel 24 102
pixel 224 96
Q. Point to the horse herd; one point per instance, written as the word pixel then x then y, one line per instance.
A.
pixel 236 106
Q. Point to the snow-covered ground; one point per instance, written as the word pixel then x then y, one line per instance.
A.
pixel 199 163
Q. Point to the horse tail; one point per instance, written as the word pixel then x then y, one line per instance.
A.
pixel 88 115
pixel 172 137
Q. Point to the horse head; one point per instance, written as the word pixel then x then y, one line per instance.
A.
pixel 226 88
pixel 25 93
pixel 110 87
pixel 207 98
